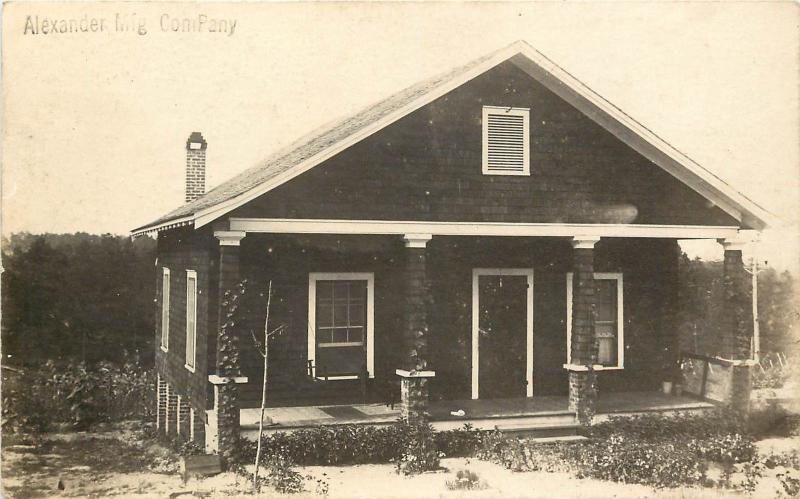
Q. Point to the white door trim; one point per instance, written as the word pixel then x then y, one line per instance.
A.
pixel 313 277
pixel 476 273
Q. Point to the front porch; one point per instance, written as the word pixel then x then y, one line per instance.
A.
pixel 516 332
pixel 485 414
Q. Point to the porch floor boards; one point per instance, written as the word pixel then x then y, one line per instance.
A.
pixel 283 418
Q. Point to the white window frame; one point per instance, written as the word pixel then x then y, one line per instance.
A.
pixel 476 274
pixel 526 139
pixel 617 276
pixel 165 290
pixel 191 333
pixel 313 277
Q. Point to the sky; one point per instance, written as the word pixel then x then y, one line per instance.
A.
pixel 95 123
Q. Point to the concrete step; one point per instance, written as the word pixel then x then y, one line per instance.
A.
pixel 539 430
pixel 567 439
pixel 491 423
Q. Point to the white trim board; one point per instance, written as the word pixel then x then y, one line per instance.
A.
pixel 563 84
pixel 313 277
pixel 402 227
pixel 476 273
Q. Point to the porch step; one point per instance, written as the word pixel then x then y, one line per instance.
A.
pixel 566 438
pixel 539 431
pixel 491 423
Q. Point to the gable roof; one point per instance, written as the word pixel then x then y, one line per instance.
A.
pixel 323 143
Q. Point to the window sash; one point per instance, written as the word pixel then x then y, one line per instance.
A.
pixel 165 309
pixel 333 298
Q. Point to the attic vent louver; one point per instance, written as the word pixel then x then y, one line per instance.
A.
pixel 506 139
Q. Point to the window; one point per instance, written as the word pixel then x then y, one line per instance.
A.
pixel 191 318
pixel 340 324
pixel 608 322
pixel 506 141
pixel 165 309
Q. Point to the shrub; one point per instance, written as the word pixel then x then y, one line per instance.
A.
pixel 420 452
pixel 461 442
pixel 771 377
pixel 282 477
pixel 650 450
pixel 788 460
pixel 279 475
pixel 522 455
pixel 617 459
pixel 722 448
pixel 358 444
pixel 790 481
pixel 75 394
pixel 658 427
pixel 466 480
pixel 332 445
pixel 658 464
pixel 772 371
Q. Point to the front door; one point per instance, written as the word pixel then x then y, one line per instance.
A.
pixel 502 333
pixel 340 318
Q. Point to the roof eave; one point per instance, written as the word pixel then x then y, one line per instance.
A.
pixel 155 228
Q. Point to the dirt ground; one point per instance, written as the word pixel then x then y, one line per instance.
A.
pixel 121 463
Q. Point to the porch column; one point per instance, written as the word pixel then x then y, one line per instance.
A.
pixel 225 415
pixel 582 389
pixel 737 324
pixel 414 371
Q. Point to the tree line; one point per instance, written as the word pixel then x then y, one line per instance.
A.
pixel 77 297
pixel 701 299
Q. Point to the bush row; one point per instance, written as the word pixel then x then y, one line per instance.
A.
pixel 413 447
pixel 37 400
pixel 650 450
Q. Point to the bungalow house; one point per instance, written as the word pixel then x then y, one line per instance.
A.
pixel 494 241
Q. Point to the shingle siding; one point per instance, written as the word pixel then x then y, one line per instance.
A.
pixel 427 166
pixel 181 250
pixel 287 260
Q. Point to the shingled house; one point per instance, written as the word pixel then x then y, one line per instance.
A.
pixel 484 243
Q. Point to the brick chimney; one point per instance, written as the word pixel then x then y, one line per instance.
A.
pixel 195 166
